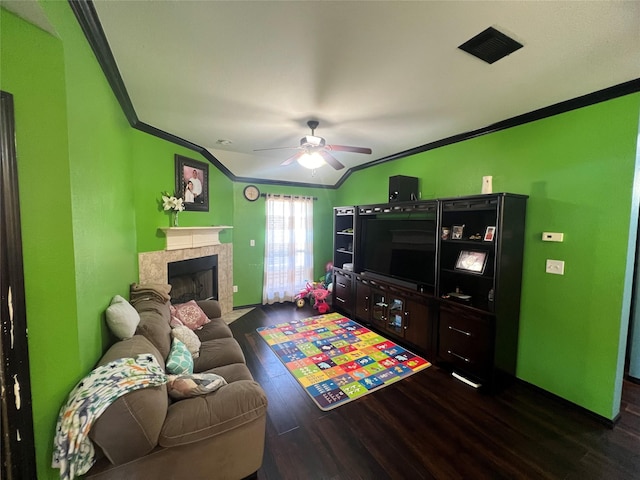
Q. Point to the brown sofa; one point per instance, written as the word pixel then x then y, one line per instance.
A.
pixel 146 434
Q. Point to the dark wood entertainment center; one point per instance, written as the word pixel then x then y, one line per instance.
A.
pixel 441 276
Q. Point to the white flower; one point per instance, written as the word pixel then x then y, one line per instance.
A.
pixel 170 202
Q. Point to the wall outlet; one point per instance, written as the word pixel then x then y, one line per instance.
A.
pixel 555 266
pixel 235 289
pixel 252 243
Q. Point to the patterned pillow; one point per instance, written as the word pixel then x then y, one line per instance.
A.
pixel 190 339
pixel 186 386
pixel 179 361
pixel 190 314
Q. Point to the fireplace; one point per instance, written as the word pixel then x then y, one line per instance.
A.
pixel 193 279
pixel 154 268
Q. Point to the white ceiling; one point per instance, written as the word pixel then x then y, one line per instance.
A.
pixel 381 74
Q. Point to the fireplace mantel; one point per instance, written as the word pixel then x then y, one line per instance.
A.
pixel 192 237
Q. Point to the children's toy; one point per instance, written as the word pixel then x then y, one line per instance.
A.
pixel 316 292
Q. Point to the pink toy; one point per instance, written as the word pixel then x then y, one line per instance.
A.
pixel 319 294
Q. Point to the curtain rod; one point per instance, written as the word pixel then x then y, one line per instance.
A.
pixel 285 196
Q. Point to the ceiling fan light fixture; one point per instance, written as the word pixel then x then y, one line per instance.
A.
pixel 311 160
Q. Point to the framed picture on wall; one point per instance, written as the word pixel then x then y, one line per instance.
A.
pixel 192 183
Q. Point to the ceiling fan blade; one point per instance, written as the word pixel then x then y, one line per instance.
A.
pixel 274 148
pixel 292 159
pixel 331 160
pixel 345 148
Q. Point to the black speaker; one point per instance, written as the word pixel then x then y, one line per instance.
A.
pixel 403 189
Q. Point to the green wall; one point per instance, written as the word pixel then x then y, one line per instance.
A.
pixel 32 70
pixel 154 173
pixel 578 169
pixel 249 224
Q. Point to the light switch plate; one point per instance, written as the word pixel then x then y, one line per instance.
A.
pixel 552 237
pixel 555 266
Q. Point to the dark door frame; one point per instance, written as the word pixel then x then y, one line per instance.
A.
pixel 18 449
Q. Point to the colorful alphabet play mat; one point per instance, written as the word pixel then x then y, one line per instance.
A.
pixel 337 360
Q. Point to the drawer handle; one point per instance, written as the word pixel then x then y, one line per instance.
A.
pixel 340 300
pixel 343 285
pixel 466 360
pixel 468 334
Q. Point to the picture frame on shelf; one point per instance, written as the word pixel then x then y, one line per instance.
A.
pixel 472 261
pixel 446 233
pixel 457 231
pixel 192 183
pixel 489 234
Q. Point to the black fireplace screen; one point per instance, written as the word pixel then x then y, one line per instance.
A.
pixel 194 279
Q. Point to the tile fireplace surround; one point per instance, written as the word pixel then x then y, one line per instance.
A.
pixel 153 268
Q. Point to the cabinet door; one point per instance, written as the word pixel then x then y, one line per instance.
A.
pixel 418 324
pixel 395 316
pixel 363 301
pixel 379 308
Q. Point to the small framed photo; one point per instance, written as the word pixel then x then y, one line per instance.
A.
pixel 192 183
pixel 456 232
pixel 446 233
pixel 472 261
pixel 489 234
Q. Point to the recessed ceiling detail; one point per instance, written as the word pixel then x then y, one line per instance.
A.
pixel 490 45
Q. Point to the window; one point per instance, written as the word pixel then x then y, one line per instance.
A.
pixel 288 262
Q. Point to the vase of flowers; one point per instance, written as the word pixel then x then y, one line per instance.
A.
pixel 173 204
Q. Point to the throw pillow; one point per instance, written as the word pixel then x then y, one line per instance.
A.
pixel 179 360
pixel 190 314
pixel 190 339
pixel 186 386
pixel 175 321
pixel 122 318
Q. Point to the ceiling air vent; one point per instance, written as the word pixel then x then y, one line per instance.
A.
pixel 490 45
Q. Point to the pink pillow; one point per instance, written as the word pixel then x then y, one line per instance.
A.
pixel 190 314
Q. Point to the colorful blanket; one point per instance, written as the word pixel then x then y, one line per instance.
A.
pixel 337 360
pixel 73 451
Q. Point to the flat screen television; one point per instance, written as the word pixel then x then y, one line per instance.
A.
pixel 399 248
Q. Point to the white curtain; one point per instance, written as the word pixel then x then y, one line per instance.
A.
pixel 288 261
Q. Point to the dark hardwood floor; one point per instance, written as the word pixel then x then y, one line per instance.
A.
pixel 431 426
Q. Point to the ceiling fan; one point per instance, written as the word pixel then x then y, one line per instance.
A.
pixel 314 151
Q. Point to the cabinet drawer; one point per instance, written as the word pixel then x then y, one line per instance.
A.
pixel 342 291
pixel 465 339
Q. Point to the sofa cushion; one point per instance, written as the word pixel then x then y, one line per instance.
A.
pixel 216 328
pixel 189 338
pixel 233 372
pixel 122 318
pixel 179 360
pixel 211 308
pixel 216 353
pixel 187 386
pixel 196 418
pixel 154 324
pixel 129 428
pixel 190 314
